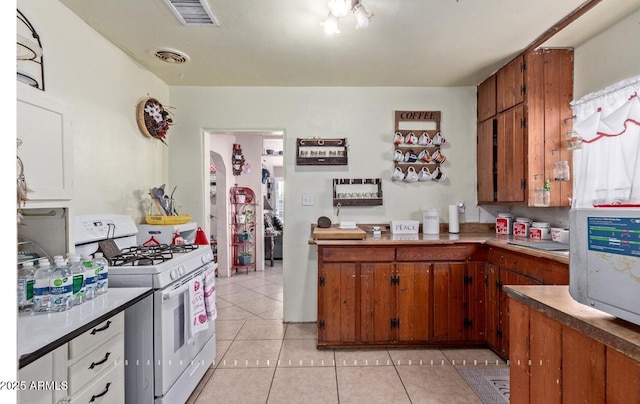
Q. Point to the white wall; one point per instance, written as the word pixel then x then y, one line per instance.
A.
pixel 607 58
pixel 365 117
pixel 115 165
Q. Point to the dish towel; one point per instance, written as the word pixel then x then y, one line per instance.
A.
pixel 197 312
pixel 209 276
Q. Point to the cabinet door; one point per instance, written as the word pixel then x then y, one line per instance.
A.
pixel 486 163
pixel 43 126
pixel 40 370
pixel 509 84
pixel 487 99
pixel 511 155
pixel 337 302
pixel 493 306
pixel 448 301
pixel 413 301
pixel 508 277
pixel 475 302
pixel 376 302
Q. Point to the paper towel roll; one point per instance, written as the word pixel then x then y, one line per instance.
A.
pixel 454 222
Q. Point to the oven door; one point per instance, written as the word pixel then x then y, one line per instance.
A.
pixel 172 349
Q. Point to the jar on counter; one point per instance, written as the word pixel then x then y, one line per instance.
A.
pixel 540 231
pixel 521 227
pixel 504 223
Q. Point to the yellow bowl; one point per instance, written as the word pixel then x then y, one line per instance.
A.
pixel 160 219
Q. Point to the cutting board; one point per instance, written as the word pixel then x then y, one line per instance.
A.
pixel 335 233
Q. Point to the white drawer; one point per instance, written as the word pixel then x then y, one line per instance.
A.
pixel 101 359
pixel 96 335
pixel 107 389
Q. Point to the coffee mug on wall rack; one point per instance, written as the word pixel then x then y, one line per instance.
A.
pixel 411 138
pixel 410 157
pixel 411 175
pixel 424 139
pixel 397 174
pixel 438 139
pixel 424 174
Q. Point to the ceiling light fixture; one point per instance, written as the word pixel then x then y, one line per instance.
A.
pixel 340 9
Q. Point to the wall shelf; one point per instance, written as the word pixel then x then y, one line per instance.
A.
pixel 371 196
pixel 321 152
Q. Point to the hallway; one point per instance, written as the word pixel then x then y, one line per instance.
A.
pixel 261 360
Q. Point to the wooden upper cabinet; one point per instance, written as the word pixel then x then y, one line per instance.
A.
pixel 510 84
pixel 487 99
pixel 511 155
pixel 533 92
pixel 486 161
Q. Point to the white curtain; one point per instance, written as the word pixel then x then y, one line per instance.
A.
pixel 607 166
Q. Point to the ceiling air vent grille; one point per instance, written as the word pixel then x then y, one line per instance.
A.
pixel 193 12
pixel 171 56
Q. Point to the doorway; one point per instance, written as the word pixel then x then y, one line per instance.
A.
pixel 262 150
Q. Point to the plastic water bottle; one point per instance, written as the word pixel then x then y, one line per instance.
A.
pixel 41 296
pixel 61 287
pixel 25 287
pixel 77 274
pixel 102 271
pixel 90 278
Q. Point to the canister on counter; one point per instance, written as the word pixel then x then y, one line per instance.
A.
pixel 521 227
pixel 540 231
pixel 504 223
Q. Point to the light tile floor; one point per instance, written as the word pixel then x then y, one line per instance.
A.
pixel 260 359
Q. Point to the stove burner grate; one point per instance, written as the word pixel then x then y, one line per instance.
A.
pixel 149 255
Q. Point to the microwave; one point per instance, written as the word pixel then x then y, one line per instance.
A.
pixel 604 260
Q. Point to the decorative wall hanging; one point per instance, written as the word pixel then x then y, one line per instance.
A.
pixel 153 119
pixel 29 65
pixel 21 181
pixel 237 159
pixel 417 156
pixel 321 152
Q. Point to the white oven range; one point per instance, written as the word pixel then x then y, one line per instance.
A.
pixel 163 364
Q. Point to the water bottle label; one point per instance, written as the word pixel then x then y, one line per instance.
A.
pixel 78 283
pixel 61 289
pixel 90 280
pixel 30 289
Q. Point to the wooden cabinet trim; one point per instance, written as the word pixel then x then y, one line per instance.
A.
pixel 357 254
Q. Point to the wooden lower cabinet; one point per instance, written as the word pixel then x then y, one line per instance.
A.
pixel 413 301
pixel 378 298
pixel 551 362
pixel 337 303
pixel 506 267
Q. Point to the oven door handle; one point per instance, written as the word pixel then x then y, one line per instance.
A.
pixel 173 293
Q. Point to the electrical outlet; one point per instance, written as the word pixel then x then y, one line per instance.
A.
pixel 307 200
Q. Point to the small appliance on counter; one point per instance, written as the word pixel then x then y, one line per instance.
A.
pixel 604 260
pixel 164 234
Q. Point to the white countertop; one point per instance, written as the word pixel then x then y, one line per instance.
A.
pixel 46 331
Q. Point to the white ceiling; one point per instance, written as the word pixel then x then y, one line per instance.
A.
pixel 281 42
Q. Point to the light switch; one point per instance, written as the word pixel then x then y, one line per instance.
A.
pixel 307 200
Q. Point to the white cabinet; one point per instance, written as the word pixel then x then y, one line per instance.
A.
pixel 87 369
pixel 44 129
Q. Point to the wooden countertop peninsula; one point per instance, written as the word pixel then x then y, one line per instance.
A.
pixel 555 302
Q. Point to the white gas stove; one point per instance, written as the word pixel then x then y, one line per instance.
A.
pixel 158 334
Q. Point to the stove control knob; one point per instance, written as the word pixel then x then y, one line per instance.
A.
pixel 181 269
pixel 205 258
pixel 173 274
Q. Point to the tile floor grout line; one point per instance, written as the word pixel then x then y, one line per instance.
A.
pixel 399 376
pixel 275 367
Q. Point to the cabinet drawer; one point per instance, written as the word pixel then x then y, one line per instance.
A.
pixel 96 335
pixel 104 357
pixel 363 254
pixel 434 253
pixel 107 389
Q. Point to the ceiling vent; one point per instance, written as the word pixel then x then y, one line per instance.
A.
pixel 171 56
pixel 193 12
